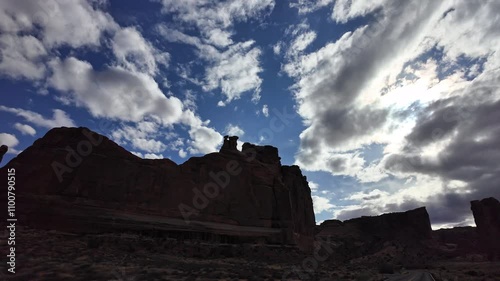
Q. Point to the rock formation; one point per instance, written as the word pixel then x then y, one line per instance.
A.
pixel 413 224
pixel 487 217
pixel 230 144
pixel 458 241
pixel 410 224
pixel 365 236
pixel 3 150
pixel 77 180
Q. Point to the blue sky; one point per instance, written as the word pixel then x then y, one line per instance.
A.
pixel 385 105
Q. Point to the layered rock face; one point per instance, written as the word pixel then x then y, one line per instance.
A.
pixel 487 217
pixel 73 179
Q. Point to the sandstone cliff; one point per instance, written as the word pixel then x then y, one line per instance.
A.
pixel 487 217
pixel 73 179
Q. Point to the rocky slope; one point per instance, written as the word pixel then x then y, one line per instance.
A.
pixel 487 217
pixel 75 180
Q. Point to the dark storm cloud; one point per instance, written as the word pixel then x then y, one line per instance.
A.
pixel 473 150
pixel 431 127
pixel 409 204
pixel 337 164
pixel 454 146
pixel 338 127
pixel 449 208
pixel 471 124
pixel 373 197
pixel 349 214
pixel 338 119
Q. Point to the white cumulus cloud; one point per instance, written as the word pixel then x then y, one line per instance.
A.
pixel 25 129
pixel 59 117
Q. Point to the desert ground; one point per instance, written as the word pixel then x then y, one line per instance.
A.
pixel 51 255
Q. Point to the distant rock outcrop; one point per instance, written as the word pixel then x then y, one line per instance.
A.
pixel 77 180
pixel 487 217
pixel 229 144
pixel 413 224
pixel 3 150
pixel 458 241
pixel 394 233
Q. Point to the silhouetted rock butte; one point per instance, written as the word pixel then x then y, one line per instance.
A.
pixel 487 217
pixel 458 241
pixel 3 150
pixel 106 188
pixel 229 144
pixel 396 236
pixel 413 224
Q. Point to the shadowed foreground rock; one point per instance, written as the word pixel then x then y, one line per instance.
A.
pixel 75 180
pixel 458 241
pixel 487 217
pixel 3 150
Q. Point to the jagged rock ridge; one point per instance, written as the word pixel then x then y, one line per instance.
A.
pixel 76 180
